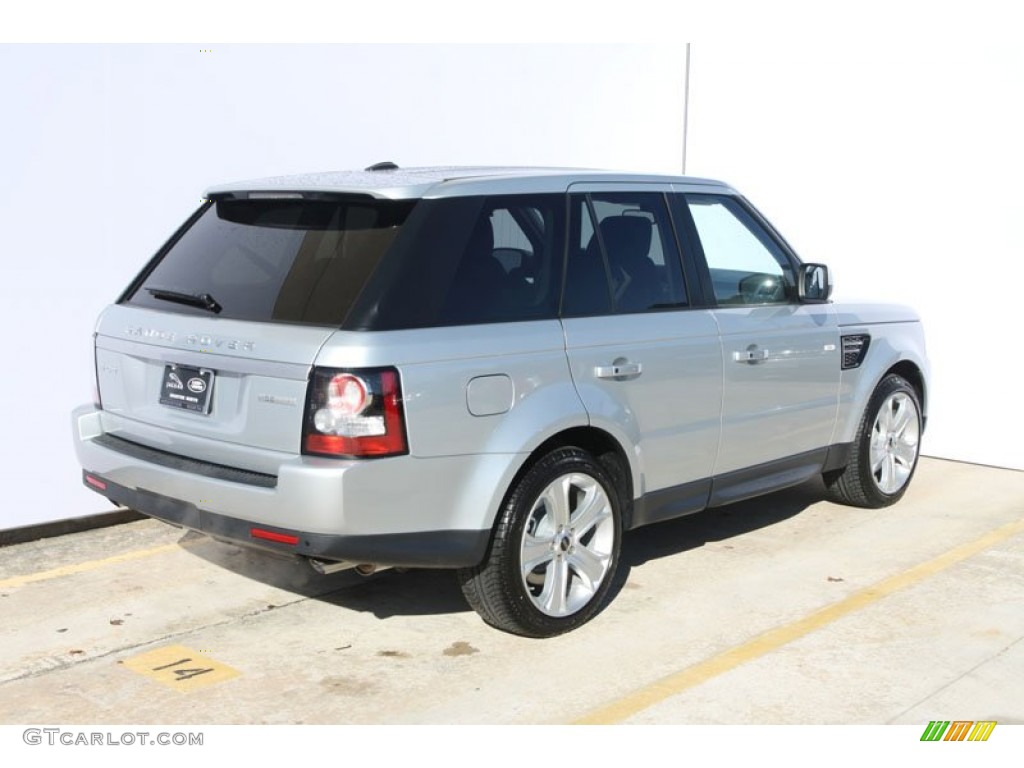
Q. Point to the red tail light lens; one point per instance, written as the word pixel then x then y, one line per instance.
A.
pixel 354 413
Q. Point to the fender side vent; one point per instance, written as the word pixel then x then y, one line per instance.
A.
pixel 855 347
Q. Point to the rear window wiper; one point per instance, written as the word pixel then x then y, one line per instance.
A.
pixel 200 300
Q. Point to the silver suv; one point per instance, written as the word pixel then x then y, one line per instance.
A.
pixel 493 370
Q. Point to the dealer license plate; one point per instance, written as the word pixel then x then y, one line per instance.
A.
pixel 188 388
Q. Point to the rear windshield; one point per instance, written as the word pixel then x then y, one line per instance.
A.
pixel 283 260
pixel 365 264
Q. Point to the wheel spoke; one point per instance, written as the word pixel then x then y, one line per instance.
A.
pixel 900 474
pixel 536 551
pixel 906 453
pixel 881 473
pixel 589 565
pixel 556 499
pixel 888 474
pixel 884 421
pixel 592 510
pixel 903 416
pixel 878 431
pixel 556 587
pixel 877 459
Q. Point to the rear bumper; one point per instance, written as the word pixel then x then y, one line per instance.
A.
pixel 426 549
pixel 396 511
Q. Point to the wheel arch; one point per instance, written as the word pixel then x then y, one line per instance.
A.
pixel 856 483
pixel 602 445
pixel 502 589
pixel 913 374
pixel 899 349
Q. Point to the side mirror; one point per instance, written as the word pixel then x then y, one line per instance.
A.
pixel 814 283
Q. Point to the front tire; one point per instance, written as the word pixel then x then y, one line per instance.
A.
pixel 555 549
pixel 885 451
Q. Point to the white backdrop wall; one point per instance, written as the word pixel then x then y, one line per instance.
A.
pixel 895 165
pixel 899 164
pixel 105 150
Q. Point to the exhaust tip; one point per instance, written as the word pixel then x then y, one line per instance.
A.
pixel 327 567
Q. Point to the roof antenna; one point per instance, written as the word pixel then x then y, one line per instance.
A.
pixel 387 165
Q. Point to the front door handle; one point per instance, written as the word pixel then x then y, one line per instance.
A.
pixel 751 355
pixel 618 370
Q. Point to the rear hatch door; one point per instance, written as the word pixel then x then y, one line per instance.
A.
pixel 231 381
pixel 216 338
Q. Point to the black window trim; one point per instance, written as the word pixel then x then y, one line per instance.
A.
pixel 693 286
pixel 595 224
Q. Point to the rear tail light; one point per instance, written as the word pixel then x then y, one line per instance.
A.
pixel 354 413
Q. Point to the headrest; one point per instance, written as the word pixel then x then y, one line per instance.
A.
pixel 626 237
pixel 481 240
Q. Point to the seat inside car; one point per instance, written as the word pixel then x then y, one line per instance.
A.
pixel 637 283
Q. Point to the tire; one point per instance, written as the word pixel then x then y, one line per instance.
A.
pixel 555 549
pixel 885 451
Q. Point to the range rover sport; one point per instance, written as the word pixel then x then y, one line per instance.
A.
pixel 493 370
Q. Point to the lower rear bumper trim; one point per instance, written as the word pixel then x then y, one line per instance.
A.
pixel 421 549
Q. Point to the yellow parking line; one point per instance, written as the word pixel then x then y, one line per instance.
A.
pixel 774 639
pixel 89 565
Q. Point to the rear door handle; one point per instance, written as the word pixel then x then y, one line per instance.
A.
pixel 618 370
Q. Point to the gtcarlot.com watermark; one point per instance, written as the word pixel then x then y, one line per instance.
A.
pixel 64 737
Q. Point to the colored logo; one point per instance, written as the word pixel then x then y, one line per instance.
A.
pixel 958 730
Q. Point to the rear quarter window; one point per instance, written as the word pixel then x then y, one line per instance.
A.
pixel 469 261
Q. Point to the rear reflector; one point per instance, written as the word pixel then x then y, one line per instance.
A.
pixel 95 482
pixel 280 538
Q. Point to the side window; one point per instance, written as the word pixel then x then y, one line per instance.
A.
pixel 747 266
pixel 511 265
pixel 469 260
pixel 623 256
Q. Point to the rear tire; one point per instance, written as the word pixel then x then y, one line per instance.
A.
pixel 555 549
pixel 885 451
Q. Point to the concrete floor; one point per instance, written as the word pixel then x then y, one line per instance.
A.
pixel 786 609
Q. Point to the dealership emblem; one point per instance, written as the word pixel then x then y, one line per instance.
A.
pixel 196 385
pixel 173 382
